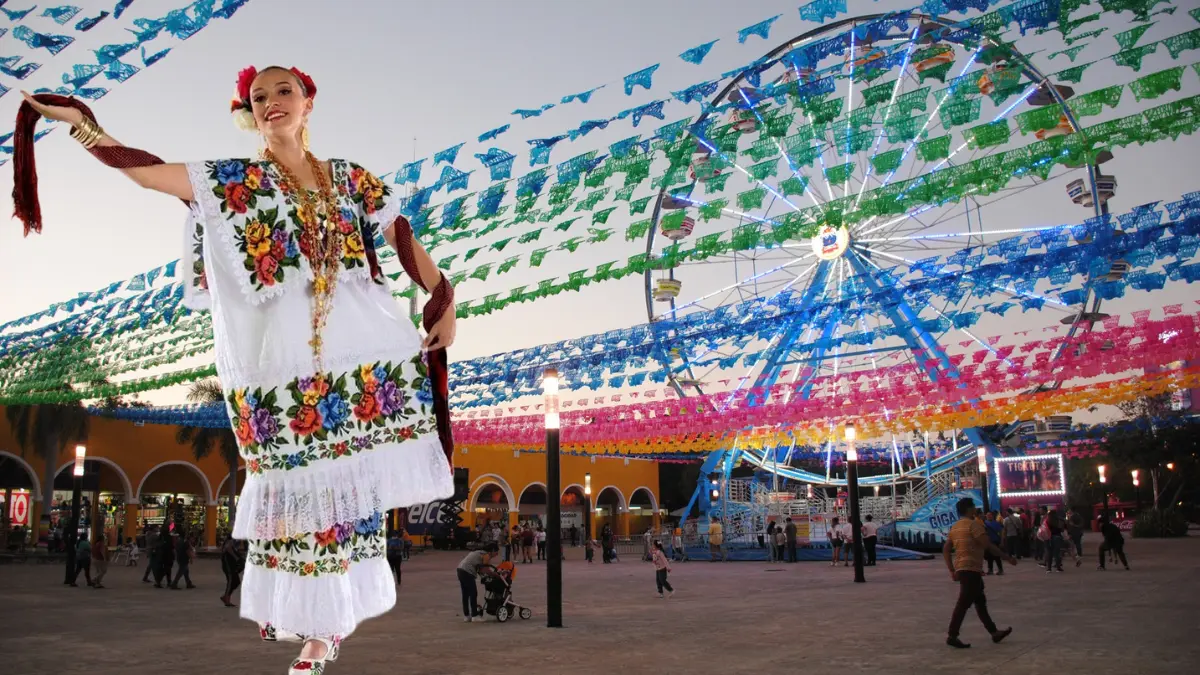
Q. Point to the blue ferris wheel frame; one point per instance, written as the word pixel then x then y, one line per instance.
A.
pixel 898 311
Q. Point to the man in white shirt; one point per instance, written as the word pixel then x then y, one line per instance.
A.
pixel 846 532
pixel 1012 533
pixel 870 532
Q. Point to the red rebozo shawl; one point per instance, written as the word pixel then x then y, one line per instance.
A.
pixel 28 210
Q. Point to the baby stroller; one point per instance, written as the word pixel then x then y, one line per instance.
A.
pixel 497 584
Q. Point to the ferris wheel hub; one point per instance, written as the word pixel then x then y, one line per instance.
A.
pixel 831 242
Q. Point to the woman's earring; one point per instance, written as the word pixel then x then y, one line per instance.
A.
pixel 262 146
pixel 304 137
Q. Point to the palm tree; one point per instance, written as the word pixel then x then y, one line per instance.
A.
pixel 204 439
pixel 47 430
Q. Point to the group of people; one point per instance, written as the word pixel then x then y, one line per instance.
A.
pixel 528 540
pixel 1047 536
pixel 90 556
pixel 167 550
pixel 841 540
pixel 978 537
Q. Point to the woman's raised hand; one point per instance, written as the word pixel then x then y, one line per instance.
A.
pixel 58 113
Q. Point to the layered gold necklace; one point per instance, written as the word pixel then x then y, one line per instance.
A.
pixel 321 237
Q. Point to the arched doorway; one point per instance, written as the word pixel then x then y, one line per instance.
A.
pixel 489 504
pixel 642 508
pixel 19 488
pixel 105 489
pixel 531 505
pixel 610 504
pixel 573 507
pixel 175 493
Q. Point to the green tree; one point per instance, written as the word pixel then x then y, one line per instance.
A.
pixel 1159 444
pixel 46 430
pixel 205 440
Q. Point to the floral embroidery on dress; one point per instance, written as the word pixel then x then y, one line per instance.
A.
pixel 267 223
pixel 268 247
pixel 332 415
pixel 332 551
pixel 255 419
pixel 365 189
pixel 239 184
pixel 199 275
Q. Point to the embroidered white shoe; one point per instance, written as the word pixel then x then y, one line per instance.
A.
pixel 316 666
pixel 270 633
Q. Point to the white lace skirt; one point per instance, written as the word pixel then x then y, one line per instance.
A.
pixel 323 467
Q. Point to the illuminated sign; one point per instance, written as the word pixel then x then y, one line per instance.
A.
pixel 18 509
pixel 830 242
pixel 1030 476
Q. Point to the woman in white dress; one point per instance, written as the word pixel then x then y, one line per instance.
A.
pixel 328 384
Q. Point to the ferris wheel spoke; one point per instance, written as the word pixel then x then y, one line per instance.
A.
pixel 913 143
pixel 713 149
pixel 749 280
pixel 949 235
pixel 994 287
pixel 729 211
pixel 887 113
pixel 1028 92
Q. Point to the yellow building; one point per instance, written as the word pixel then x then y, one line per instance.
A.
pixel 139 473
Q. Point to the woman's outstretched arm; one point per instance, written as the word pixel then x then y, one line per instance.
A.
pixel 171 179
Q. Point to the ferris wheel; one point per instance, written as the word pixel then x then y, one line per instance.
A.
pixel 882 114
pixel 887 112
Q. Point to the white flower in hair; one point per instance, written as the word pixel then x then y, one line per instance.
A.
pixel 244 120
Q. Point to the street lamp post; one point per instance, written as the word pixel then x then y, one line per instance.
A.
pixel 1137 490
pixel 553 503
pixel 981 455
pixel 1104 488
pixel 76 498
pixel 855 524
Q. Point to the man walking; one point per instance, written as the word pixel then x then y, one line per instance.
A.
pixel 152 548
pixel 183 559
pixel 99 559
pixel 1113 541
pixel 789 533
pixel 967 541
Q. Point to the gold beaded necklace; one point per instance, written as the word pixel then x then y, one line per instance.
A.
pixel 324 244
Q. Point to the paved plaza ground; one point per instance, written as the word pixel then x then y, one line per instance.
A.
pixel 725 618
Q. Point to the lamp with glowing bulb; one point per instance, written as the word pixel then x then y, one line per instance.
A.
pixel 1137 490
pixel 587 500
pixel 852 485
pixel 1104 487
pixel 76 500
pixel 554 600
pixel 981 457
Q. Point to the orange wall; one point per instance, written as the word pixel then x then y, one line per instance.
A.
pixel 138 450
pixel 517 473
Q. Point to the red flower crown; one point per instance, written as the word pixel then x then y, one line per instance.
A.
pixel 241 100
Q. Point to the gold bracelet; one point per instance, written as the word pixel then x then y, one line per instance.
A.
pixel 84 133
pixel 88 133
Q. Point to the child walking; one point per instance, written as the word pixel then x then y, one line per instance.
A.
pixel 589 550
pixel 662 567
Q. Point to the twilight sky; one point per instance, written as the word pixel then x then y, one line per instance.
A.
pixel 397 74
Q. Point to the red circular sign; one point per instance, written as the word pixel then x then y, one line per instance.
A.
pixel 18 511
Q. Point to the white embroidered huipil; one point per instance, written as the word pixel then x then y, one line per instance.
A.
pixel 326 453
